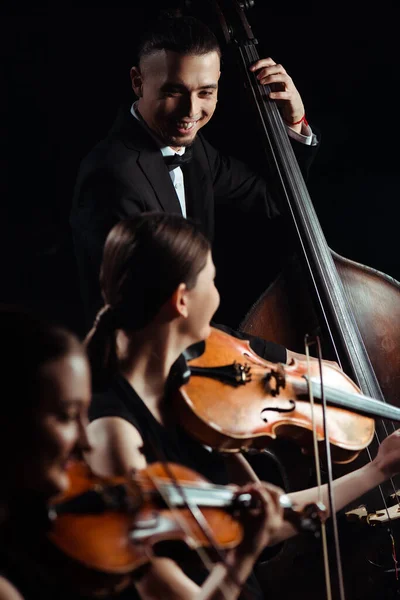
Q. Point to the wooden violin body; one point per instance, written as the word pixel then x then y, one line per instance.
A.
pixel 109 527
pixel 252 415
pixel 104 529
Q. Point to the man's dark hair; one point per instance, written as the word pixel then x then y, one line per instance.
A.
pixel 184 35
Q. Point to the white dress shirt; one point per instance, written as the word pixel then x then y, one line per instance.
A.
pixel 305 137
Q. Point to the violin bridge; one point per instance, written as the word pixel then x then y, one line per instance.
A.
pixel 275 380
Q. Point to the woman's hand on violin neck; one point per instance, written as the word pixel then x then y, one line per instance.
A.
pixel 284 90
pixel 387 461
pixel 262 523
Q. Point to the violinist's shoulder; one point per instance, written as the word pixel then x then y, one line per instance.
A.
pixel 8 591
pixel 115 446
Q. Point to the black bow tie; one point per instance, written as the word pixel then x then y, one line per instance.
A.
pixel 177 160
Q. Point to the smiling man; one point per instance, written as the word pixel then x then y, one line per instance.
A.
pixel 177 93
pixel 156 159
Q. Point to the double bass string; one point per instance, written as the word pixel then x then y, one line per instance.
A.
pixel 249 55
pixel 252 56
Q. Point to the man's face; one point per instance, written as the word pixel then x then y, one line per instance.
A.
pixel 177 93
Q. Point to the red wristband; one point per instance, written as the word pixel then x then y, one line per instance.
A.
pixel 302 120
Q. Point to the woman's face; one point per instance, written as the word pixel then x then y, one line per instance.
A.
pixel 203 301
pixel 58 431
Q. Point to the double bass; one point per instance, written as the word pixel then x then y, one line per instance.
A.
pixel 355 308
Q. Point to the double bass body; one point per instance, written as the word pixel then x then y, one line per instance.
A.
pixel 284 313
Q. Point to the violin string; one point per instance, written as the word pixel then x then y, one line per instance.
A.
pixel 190 485
pixel 181 522
pixel 205 528
pixel 213 499
pixel 202 523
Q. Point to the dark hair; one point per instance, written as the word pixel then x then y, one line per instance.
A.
pixel 28 344
pixel 184 35
pixel 145 259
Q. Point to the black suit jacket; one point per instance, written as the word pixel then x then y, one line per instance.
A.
pixel 125 175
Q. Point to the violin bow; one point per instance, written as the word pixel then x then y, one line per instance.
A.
pixel 309 341
pixel 200 521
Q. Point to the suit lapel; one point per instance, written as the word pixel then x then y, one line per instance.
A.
pixel 153 167
pixel 149 160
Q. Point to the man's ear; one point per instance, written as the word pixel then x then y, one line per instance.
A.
pixel 180 301
pixel 137 81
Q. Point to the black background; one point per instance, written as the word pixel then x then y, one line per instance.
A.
pixel 65 71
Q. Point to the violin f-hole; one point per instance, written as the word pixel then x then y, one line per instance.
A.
pixel 279 409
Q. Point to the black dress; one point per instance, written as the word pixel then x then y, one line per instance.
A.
pixel 173 445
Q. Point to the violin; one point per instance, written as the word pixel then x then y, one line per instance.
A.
pixel 113 526
pixel 234 400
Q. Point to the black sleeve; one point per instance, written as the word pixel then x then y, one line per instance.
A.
pixel 234 181
pixel 108 404
pixel 268 350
